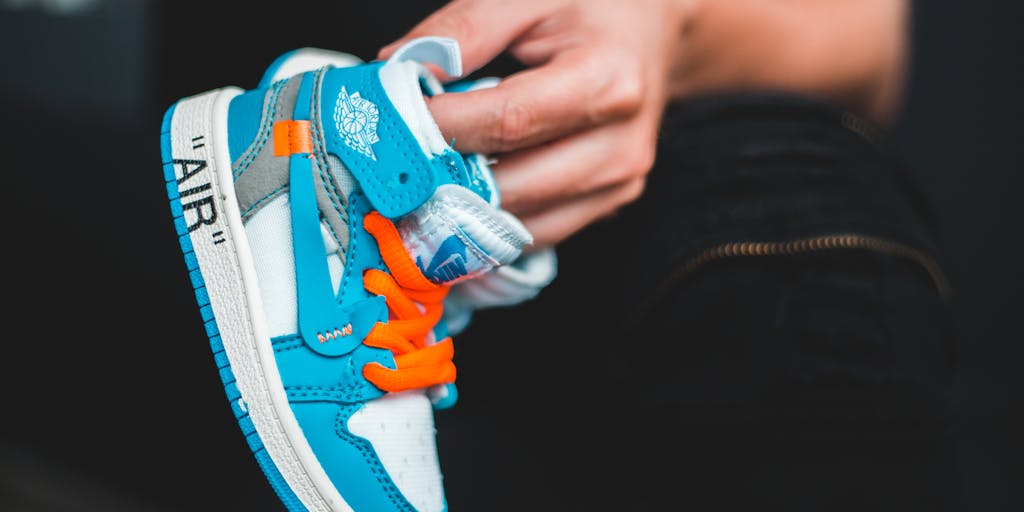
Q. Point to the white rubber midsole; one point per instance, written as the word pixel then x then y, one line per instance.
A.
pixel 199 133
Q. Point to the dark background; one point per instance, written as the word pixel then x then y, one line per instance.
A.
pixel 111 401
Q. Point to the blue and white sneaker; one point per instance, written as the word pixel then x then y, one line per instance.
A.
pixel 323 218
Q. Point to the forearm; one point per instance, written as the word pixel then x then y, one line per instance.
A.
pixel 851 52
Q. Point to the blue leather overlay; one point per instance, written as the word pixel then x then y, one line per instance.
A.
pixel 463 85
pixel 324 392
pixel 309 377
pixel 365 131
pixel 327 327
pixel 249 142
pixel 451 392
pixel 244 115
pixel 362 253
pixel 450 398
pixel 350 460
pixel 302 99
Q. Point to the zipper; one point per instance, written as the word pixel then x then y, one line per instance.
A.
pixel 815 244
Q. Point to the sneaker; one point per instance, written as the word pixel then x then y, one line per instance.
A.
pixel 323 219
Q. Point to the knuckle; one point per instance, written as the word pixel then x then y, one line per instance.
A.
pixel 622 97
pixel 458 22
pixel 640 160
pixel 634 189
pixel 512 126
pixel 626 194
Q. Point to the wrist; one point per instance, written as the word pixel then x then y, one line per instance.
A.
pixel 849 52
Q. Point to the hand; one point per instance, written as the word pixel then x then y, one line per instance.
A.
pixel 574 134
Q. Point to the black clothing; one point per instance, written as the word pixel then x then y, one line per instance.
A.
pixel 695 355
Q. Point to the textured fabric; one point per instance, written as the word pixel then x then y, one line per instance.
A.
pixel 807 382
pixel 270 237
pixel 813 381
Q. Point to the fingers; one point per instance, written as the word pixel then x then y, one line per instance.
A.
pixel 561 187
pixel 562 221
pixel 483 28
pixel 575 90
pixel 570 89
pixel 578 165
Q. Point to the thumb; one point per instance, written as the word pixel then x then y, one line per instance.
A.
pixel 483 28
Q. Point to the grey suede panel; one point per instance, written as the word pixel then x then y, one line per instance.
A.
pixel 271 112
pixel 261 176
pixel 331 198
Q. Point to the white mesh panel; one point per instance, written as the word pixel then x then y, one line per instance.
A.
pixel 401 428
pixel 270 235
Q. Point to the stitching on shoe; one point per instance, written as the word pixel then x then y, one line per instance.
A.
pixel 333 195
pixel 263 135
pixel 273 193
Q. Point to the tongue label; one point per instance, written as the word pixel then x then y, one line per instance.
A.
pixel 443 251
pixel 448 263
pixel 456 235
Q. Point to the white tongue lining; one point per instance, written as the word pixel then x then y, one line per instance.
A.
pixel 443 52
pixel 401 82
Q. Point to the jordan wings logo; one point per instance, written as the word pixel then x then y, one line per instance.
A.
pixel 356 119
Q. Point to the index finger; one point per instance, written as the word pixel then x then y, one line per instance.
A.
pixel 483 28
pixel 569 93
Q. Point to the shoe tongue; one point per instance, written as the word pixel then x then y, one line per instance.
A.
pixel 456 235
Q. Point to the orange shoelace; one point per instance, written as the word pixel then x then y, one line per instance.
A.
pixel 416 305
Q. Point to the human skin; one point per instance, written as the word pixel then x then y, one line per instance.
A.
pixel 574 133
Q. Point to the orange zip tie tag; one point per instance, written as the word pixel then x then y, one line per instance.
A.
pixel 292 137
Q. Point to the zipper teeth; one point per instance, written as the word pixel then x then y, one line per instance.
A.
pixel 818 243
